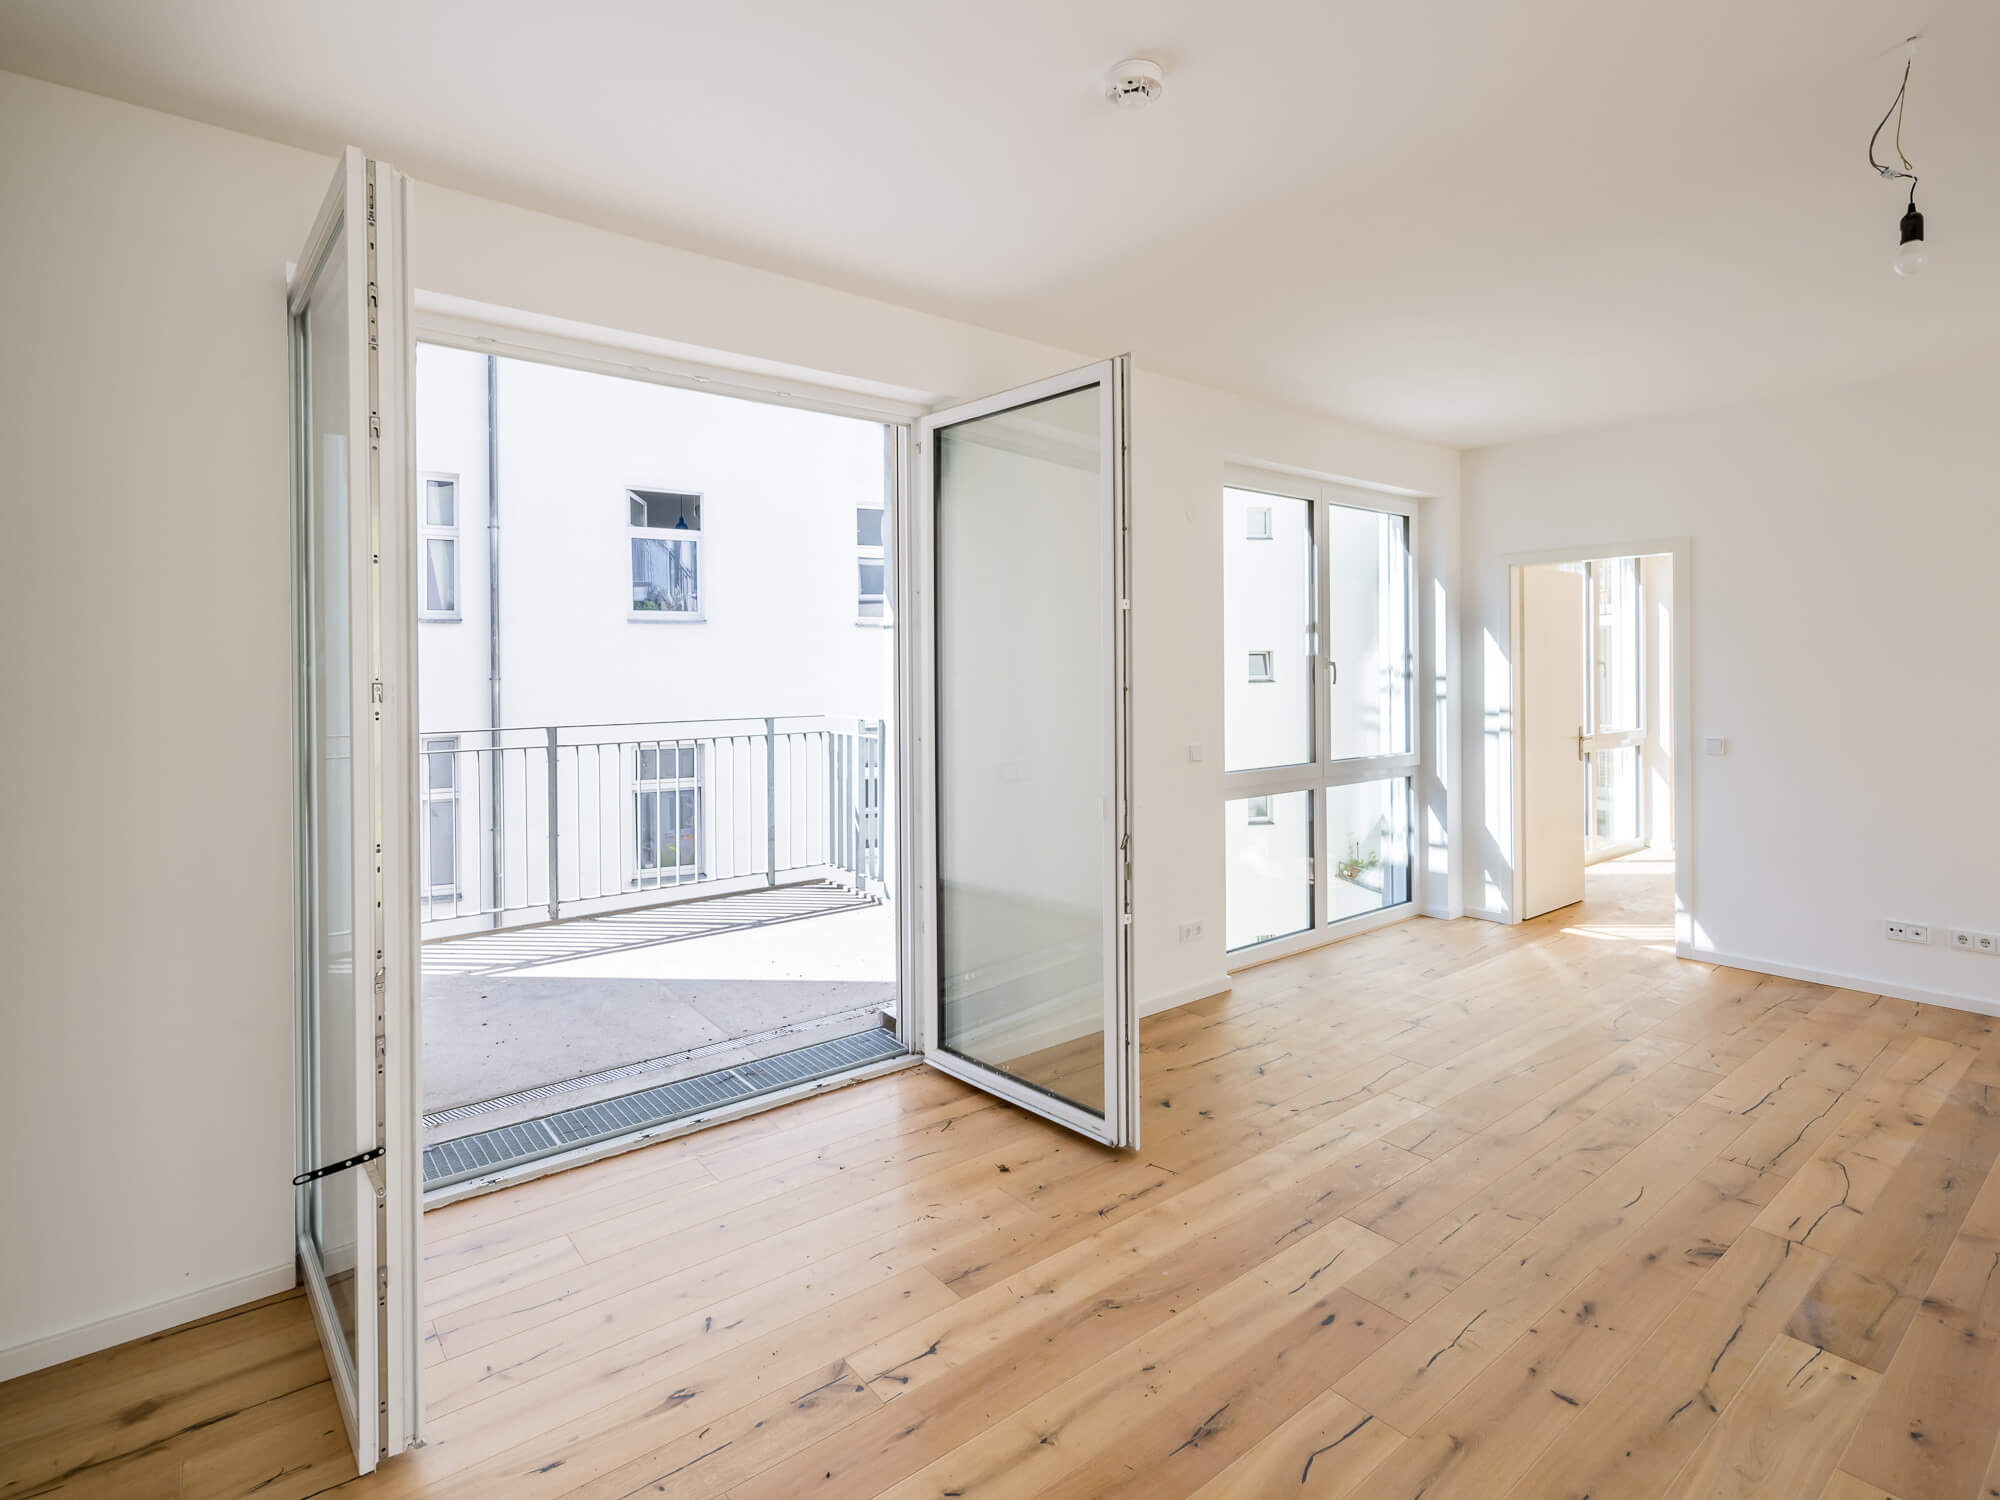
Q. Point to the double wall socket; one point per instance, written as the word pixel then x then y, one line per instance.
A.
pixel 1189 931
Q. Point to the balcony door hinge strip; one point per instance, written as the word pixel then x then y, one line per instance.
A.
pixel 338 1166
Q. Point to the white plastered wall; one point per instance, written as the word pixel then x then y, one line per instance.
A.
pixel 1840 638
pixel 146 657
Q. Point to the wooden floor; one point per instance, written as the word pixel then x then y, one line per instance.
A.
pixel 1448 1210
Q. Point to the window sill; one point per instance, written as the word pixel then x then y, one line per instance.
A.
pixel 664 617
pixel 426 617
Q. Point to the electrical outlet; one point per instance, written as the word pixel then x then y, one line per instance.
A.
pixel 1975 942
pixel 1907 932
pixel 1189 931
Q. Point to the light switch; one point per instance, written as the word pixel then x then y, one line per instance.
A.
pixel 1714 744
pixel 1194 755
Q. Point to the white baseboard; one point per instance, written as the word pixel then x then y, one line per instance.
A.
pixel 1187 994
pixel 1983 1005
pixel 58 1348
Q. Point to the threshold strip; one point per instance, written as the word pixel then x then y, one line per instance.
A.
pixel 509 1145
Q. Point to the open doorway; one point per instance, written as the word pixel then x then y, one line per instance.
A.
pixel 1599 696
pixel 656 700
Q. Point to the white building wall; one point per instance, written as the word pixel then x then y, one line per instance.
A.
pixel 778 633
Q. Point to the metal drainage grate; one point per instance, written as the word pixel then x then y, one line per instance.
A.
pixel 510 1145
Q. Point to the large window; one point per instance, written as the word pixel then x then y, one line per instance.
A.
pixel 440 600
pixel 666 554
pixel 1267 626
pixel 1614 659
pixel 1320 740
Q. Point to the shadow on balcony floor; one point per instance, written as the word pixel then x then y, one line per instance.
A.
pixel 603 1005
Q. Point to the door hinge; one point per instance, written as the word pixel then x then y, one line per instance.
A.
pixel 338 1166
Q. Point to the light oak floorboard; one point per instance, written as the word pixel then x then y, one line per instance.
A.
pixel 1450 1209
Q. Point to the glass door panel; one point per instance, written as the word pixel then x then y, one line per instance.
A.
pixel 1369 632
pixel 1368 846
pixel 1614 797
pixel 1267 846
pixel 1267 630
pixel 1032 978
pixel 1614 643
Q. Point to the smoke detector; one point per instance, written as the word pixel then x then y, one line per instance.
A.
pixel 1134 83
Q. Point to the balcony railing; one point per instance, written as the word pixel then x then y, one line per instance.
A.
pixel 541 824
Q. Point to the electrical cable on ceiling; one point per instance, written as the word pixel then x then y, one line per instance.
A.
pixel 1910 252
pixel 1896 109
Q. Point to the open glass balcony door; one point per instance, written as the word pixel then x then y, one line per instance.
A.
pixel 1025 875
pixel 357 1199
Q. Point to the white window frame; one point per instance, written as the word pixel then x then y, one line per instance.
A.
pixel 431 533
pixel 1314 775
pixel 1257 524
pixel 432 746
pixel 877 554
pixel 698 537
pixel 643 786
pixel 1267 672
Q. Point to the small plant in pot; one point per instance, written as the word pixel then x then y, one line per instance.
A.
pixel 1351 867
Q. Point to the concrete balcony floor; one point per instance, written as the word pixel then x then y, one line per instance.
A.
pixel 650 996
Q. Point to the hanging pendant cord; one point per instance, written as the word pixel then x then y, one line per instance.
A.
pixel 1887 170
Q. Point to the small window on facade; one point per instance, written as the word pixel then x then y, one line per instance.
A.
pixel 1259 810
pixel 440 525
pixel 871 592
pixel 1260 523
pixel 439 856
pixel 666 790
pixel 665 533
pixel 1260 667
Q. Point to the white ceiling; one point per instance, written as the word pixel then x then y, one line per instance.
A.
pixel 1465 220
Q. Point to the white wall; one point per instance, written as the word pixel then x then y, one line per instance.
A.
pixel 145 682
pixel 1843 627
pixel 1182 436
pixel 147 910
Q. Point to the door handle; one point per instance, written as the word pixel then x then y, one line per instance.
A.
pixel 1579 743
pixel 1332 673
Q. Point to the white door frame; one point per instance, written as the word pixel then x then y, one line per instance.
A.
pixel 510 333
pixel 383 1403
pixel 1680 549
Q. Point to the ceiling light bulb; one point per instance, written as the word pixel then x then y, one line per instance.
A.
pixel 1911 256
